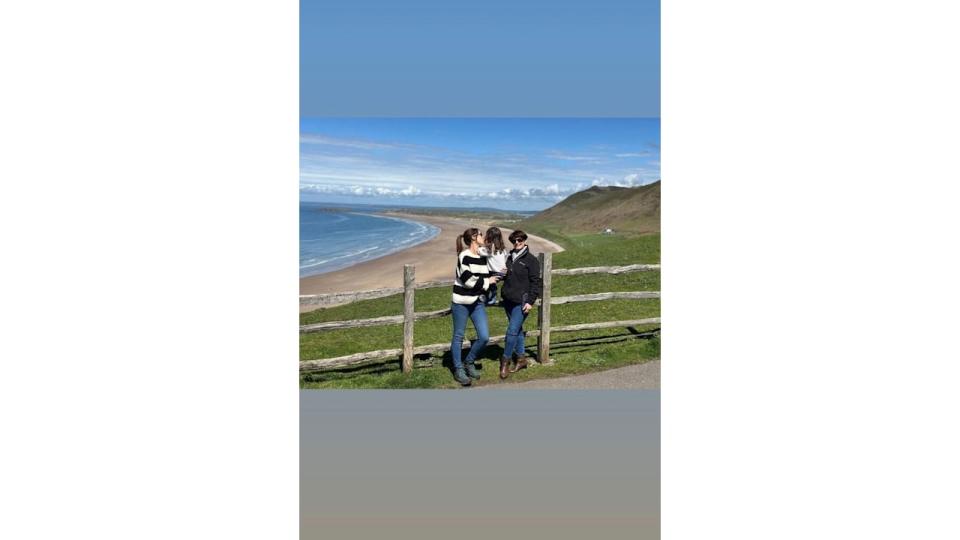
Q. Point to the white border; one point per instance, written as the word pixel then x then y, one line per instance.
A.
pixel 810 262
pixel 148 209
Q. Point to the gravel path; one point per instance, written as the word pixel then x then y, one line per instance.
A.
pixel 638 376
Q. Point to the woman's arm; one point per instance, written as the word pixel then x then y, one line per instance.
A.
pixel 467 271
pixel 536 283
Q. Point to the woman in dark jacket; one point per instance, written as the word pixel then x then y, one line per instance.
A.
pixel 521 288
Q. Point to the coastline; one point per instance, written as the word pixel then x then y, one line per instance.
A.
pixel 434 259
pixel 433 230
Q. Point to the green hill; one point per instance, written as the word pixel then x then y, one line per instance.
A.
pixel 625 210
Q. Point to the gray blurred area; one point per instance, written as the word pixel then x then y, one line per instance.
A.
pixel 465 464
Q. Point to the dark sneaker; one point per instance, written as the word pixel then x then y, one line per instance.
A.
pixel 461 377
pixel 471 370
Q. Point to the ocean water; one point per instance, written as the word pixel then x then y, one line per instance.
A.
pixel 335 237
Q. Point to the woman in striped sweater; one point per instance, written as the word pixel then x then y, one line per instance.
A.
pixel 472 279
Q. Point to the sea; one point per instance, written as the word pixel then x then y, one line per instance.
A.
pixel 335 236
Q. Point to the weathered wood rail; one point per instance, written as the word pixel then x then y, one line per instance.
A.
pixel 407 351
pixel 398 319
pixel 330 299
pixel 377 357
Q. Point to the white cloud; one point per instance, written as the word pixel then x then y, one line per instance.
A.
pixel 630 180
pixel 312 139
pixel 548 192
pixel 364 168
pixel 572 157
pixel 360 191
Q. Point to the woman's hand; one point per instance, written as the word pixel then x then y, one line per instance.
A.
pixel 527 308
pixel 494 279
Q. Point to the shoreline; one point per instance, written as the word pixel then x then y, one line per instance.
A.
pixel 397 217
pixel 434 259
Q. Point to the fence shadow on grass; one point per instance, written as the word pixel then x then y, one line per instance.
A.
pixel 488 357
pixel 414 356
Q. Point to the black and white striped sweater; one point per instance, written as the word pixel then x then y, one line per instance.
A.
pixel 471 278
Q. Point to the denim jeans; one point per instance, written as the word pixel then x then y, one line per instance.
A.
pixel 478 313
pixel 515 334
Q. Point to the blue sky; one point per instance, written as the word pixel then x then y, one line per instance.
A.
pixel 507 58
pixel 510 163
pixel 506 103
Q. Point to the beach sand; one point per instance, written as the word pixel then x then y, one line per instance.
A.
pixel 435 259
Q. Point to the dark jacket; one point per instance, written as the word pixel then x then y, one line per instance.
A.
pixel 523 284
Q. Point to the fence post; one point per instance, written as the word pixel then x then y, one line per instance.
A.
pixel 543 343
pixel 408 290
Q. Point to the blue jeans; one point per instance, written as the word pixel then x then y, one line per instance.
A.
pixel 515 333
pixel 478 313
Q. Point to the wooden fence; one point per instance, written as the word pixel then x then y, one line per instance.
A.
pixel 407 352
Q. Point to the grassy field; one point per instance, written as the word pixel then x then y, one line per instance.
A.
pixel 573 352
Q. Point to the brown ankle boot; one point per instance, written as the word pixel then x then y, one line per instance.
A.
pixel 504 364
pixel 520 364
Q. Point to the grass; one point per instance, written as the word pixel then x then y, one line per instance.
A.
pixel 572 352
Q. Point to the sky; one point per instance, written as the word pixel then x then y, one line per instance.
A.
pixel 508 58
pixel 507 163
pixel 506 103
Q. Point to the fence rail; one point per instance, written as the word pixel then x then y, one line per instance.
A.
pixel 423 315
pixel 378 357
pixel 376 321
pixel 606 269
pixel 330 299
pixel 407 352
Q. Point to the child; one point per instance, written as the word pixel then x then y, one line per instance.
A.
pixel 493 249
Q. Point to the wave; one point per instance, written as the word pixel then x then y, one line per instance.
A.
pixel 325 248
pixel 344 256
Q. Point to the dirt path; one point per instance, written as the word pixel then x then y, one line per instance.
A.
pixel 644 376
pixel 537 242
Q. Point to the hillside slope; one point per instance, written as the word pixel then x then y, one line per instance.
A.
pixel 633 210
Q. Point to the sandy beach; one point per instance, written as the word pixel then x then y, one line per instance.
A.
pixel 435 259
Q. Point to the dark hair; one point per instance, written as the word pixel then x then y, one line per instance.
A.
pixel 467 238
pixel 493 239
pixel 518 235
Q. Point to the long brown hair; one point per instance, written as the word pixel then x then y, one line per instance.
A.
pixel 467 238
pixel 493 239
